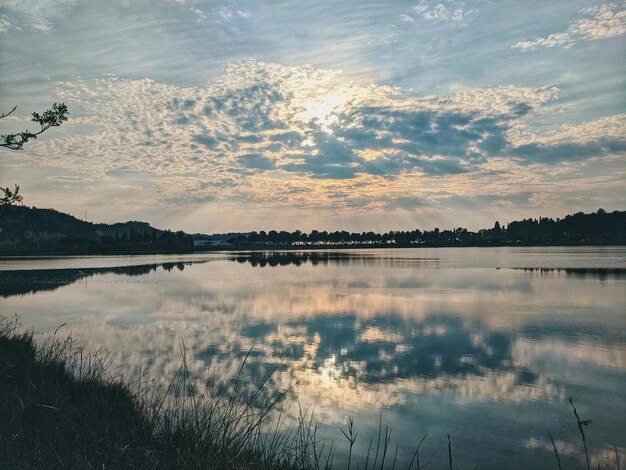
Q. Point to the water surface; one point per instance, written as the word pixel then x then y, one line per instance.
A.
pixel 484 344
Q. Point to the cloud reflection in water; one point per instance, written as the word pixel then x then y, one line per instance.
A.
pixel 360 332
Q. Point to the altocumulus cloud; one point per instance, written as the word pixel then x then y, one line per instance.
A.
pixel 303 123
pixel 31 14
pixel 597 22
pixel 455 11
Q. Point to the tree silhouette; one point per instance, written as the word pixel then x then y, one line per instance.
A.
pixel 49 118
pixel 11 197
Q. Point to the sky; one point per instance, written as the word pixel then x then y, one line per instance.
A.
pixel 226 115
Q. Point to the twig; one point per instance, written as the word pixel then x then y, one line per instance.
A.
pixel 580 428
pixel 351 436
pixel 10 112
pixel 416 454
pixel 556 452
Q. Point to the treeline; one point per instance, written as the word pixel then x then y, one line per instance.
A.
pixel 131 243
pixel 599 227
pixel 148 240
pixel 27 230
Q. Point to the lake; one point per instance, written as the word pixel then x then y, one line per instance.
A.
pixel 484 344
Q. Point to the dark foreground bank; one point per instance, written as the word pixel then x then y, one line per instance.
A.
pixel 61 407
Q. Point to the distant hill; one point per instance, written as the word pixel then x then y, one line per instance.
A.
pixel 27 229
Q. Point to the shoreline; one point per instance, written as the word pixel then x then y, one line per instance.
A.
pixel 23 254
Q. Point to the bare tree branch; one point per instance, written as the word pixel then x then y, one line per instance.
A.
pixel 7 114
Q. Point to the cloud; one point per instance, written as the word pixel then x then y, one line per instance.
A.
pixel 308 120
pixel 599 22
pixel 258 162
pixel 407 202
pixel 5 23
pixel 521 198
pixel 455 11
pixel 40 15
pixel 303 136
pixel 573 142
pixel 32 14
pixel 435 136
pixel 206 140
pixel 568 152
pixel 331 159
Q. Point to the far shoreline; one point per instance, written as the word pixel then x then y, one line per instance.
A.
pixel 24 254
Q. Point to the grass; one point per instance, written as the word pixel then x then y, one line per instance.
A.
pixel 52 418
pixel 63 408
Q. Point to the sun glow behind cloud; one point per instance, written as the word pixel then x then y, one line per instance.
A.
pixel 302 138
pixel 324 109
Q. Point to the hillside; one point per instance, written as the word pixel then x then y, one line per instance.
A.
pixel 28 229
